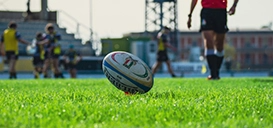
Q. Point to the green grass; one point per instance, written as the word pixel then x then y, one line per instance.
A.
pixel 179 102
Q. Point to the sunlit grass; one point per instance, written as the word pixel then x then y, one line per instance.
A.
pixel 230 102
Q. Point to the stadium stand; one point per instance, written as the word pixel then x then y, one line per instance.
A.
pixel 30 28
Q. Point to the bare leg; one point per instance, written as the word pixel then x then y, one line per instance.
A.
pixel 45 67
pixel 156 66
pixel 74 73
pixel 220 39
pixel 36 72
pixel 219 42
pixel 71 73
pixel 170 68
pixel 12 71
pixel 12 64
pixel 209 44
pixel 57 72
pixel 56 66
pixel 209 39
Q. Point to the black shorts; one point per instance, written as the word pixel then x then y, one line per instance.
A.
pixel 47 55
pixel 71 66
pixel 11 55
pixel 162 56
pixel 214 19
pixel 50 55
pixel 55 56
pixel 37 61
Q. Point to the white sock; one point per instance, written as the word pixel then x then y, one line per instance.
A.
pixel 219 54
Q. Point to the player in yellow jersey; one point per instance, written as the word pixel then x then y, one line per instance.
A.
pixel 38 56
pixel 9 47
pixel 52 51
pixel 162 56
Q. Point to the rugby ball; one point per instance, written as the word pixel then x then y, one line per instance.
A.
pixel 127 72
pixel 30 50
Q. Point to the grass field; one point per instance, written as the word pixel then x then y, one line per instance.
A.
pixel 230 102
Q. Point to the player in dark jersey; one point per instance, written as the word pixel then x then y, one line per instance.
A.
pixel 162 56
pixel 72 58
pixel 52 51
pixel 213 29
pixel 39 55
pixel 9 47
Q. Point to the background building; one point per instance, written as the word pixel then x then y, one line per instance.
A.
pixel 252 48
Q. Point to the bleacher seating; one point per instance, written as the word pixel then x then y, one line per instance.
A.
pixel 29 29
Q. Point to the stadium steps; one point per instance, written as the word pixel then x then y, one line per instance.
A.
pixel 29 29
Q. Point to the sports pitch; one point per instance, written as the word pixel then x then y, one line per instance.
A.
pixel 177 102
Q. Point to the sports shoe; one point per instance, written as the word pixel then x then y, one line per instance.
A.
pixel 211 78
pixel 46 76
pixel 61 75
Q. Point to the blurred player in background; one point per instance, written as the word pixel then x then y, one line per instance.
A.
pixel 162 55
pixel 229 57
pixel 39 54
pixel 52 51
pixel 9 47
pixel 213 29
pixel 72 58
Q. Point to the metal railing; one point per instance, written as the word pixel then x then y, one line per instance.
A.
pixel 81 31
